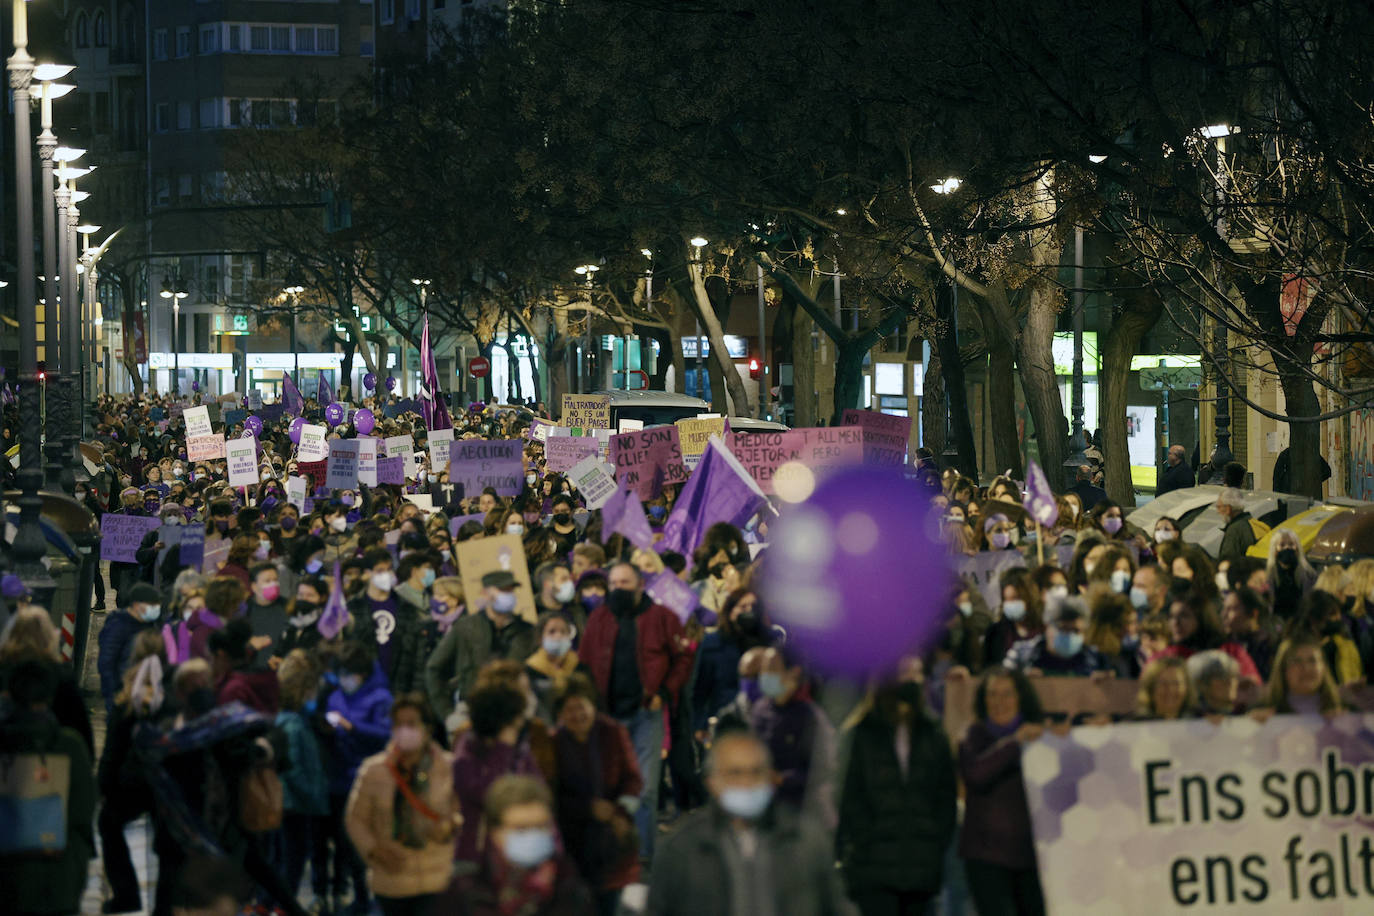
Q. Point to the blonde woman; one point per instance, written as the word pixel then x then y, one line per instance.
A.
pixel 1301 682
pixel 1165 690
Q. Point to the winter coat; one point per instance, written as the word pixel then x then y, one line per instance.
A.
pixel 68 704
pixel 370 820
pixel 116 645
pixel 691 876
pixel 604 860
pixel 1175 477
pixel 198 628
pixel 305 784
pixel 802 743
pixel 894 828
pixel 256 689
pixel 469 644
pixel 475 893
pixel 1237 538
pixel 997 827
pixel 369 711
pixel 42 884
pixel 664 661
pixel 477 764
pixel 715 679
pixel 267 620
pixel 405 671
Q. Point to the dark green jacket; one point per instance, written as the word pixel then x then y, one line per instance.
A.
pixel 469 644
pixel 1237 537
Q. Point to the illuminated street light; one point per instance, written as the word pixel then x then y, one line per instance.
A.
pixel 948 186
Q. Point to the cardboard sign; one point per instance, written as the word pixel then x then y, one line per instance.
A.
pixel 562 452
pixel 763 453
pixel 480 556
pixel 342 471
pixel 198 422
pixel 205 448
pixel 400 447
pixel 231 417
pixel 312 444
pixel 830 447
pixel 885 436
pixel 242 458
pixel 648 460
pixel 594 479
pixel 367 460
pixel 586 411
pixel 313 472
pixel 983 571
pixel 391 470
pixel 480 463
pixel 628 426
pixel 214 556
pixel 192 546
pixel 272 412
pixel 255 400
pixel 296 491
pixel 694 434
pixel 120 535
pixel 440 441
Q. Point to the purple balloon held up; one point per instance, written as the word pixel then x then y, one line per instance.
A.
pixel 853 575
pixel 255 424
pixel 334 413
pixel 370 381
pixel 295 430
pixel 364 421
pixel 390 383
pixel 195 386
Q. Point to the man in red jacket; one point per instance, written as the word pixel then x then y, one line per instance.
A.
pixel 639 660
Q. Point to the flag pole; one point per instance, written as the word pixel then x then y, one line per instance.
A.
pixel 1039 544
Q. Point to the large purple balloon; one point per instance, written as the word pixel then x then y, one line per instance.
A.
pixel 364 421
pixel 334 413
pixel 370 381
pixel 390 383
pixel 853 575
pixel 195 386
pixel 295 430
pixel 255 424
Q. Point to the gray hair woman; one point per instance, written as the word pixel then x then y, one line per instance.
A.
pixel 1216 678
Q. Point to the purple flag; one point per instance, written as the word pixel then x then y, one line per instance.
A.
pixel 1040 502
pixel 291 396
pixel 624 514
pixel 432 405
pixel 323 393
pixel 335 615
pixel 719 490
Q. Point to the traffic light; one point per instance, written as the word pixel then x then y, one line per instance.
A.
pixel 755 368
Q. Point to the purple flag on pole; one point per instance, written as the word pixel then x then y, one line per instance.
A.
pixel 291 396
pixel 1040 502
pixel 719 490
pixel 335 615
pixel 323 393
pixel 624 514
pixel 432 405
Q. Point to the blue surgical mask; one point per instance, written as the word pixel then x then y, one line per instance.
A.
pixel 1140 599
pixel 770 684
pixel 1014 610
pixel 428 578
pixel 504 602
pixel 314 566
pixel 657 513
pixel 351 683
pixel 309 706
pixel 1067 644
pixel 557 646
pixel 528 848
pixel 593 601
pixel 747 803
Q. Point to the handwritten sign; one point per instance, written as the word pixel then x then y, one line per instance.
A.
pixel 198 422
pixel 648 459
pixel 214 556
pixel 593 478
pixel 192 546
pixel 342 471
pixel 400 447
pixel 391 470
pixel 312 444
pixel 367 460
pixel 205 448
pixel 828 447
pixel 314 472
pixel 296 492
pixel 499 553
pixel 885 436
pixel 562 452
pixel 440 442
pixel 763 453
pixel 587 411
pixel 242 458
pixel 120 535
pixel 694 434
pixel 480 463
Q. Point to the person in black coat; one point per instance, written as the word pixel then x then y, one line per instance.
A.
pixel 1178 474
pixel 897 810
pixel 1088 493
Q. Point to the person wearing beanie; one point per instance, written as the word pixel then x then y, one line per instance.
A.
pixel 118 634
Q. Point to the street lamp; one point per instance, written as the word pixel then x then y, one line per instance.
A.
pixel 175 292
pixel 698 243
pixel 946 186
pixel 587 271
pixel 295 285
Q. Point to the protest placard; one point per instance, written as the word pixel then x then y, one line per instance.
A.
pixel 314 472
pixel 271 412
pixel 197 421
pixel 400 447
pixel 391 470
pixel 763 453
pixel 594 479
pixel 205 448
pixel 241 455
pixel 628 425
pixel 255 399
pixel 504 552
pixel 296 491
pixel 480 463
pixel 693 434
pixel 586 411
pixel 192 546
pixel 885 436
pixel 458 521
pixel 1188 816
pixel 423 500
pixel 214 556
pixel 826 448
pixel 342 471
pixel 312 444
pixel 984 571
pixel 120 535
pixel 440 442
pixel 667 589
pixel 648 459
pixel 232 417
pixel 367 460
pixel 562 452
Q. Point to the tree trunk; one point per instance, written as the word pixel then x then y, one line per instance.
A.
pixel 1006 445
pixel 849 375
pixel 1035 359
pixel 130 354
pixel 952 368
pixel 701 305
pixel 803 371
pixel 1141 312
pixel 554 355
pixel 1304 436
pixel 534 369
pixel 933 403
pixel 488 390
pixel 658 379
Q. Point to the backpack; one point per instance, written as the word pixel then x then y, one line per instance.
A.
pixel 33 802
pixel 260 796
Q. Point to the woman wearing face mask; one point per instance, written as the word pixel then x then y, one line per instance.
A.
pixel 597 788
pixel 743 625
pixel 1290 575
pixel 553 662
pixel 999 533
pixel 1108 518
pixel 996 843
pixel 402 813
pixel 490 749
pixel 562 526
pixel 303 616
pixel 512 521
pixel 187 634
pixel 1021 616
pixel 341 542
pixel 1111 630
pixel 897 806
pixel 1167 530
pixel 1113 570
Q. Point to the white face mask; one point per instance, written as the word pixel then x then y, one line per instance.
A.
pixel 1164 534
pixel 564 593
pixel 338 524
pixel 1222 584
pixel 515 528
pixel 383 581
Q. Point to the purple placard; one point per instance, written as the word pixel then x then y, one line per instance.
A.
pixel 120 535
pixel 391 470
pixel 667 589
pixel 561 453
pixel 271 412
pixel 459 521
pixel 193 546
pixel 481 463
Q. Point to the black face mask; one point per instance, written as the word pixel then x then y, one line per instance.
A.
pixel 621 601
pixel 562 518
pixel 909 692
pixel 747 622
pixel 1287 557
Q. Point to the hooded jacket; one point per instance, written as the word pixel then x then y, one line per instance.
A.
pixel 116 644
pixel 257 689
pixel 368 709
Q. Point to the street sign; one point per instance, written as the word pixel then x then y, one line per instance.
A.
pixel 479 366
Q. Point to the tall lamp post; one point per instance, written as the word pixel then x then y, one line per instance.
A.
pixel 175 292
pixel 697 244
pixel 1221 452
pixel 1078 440
pixel 295 285
pixel 950 454
pixel 587 271
pixel 68 427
